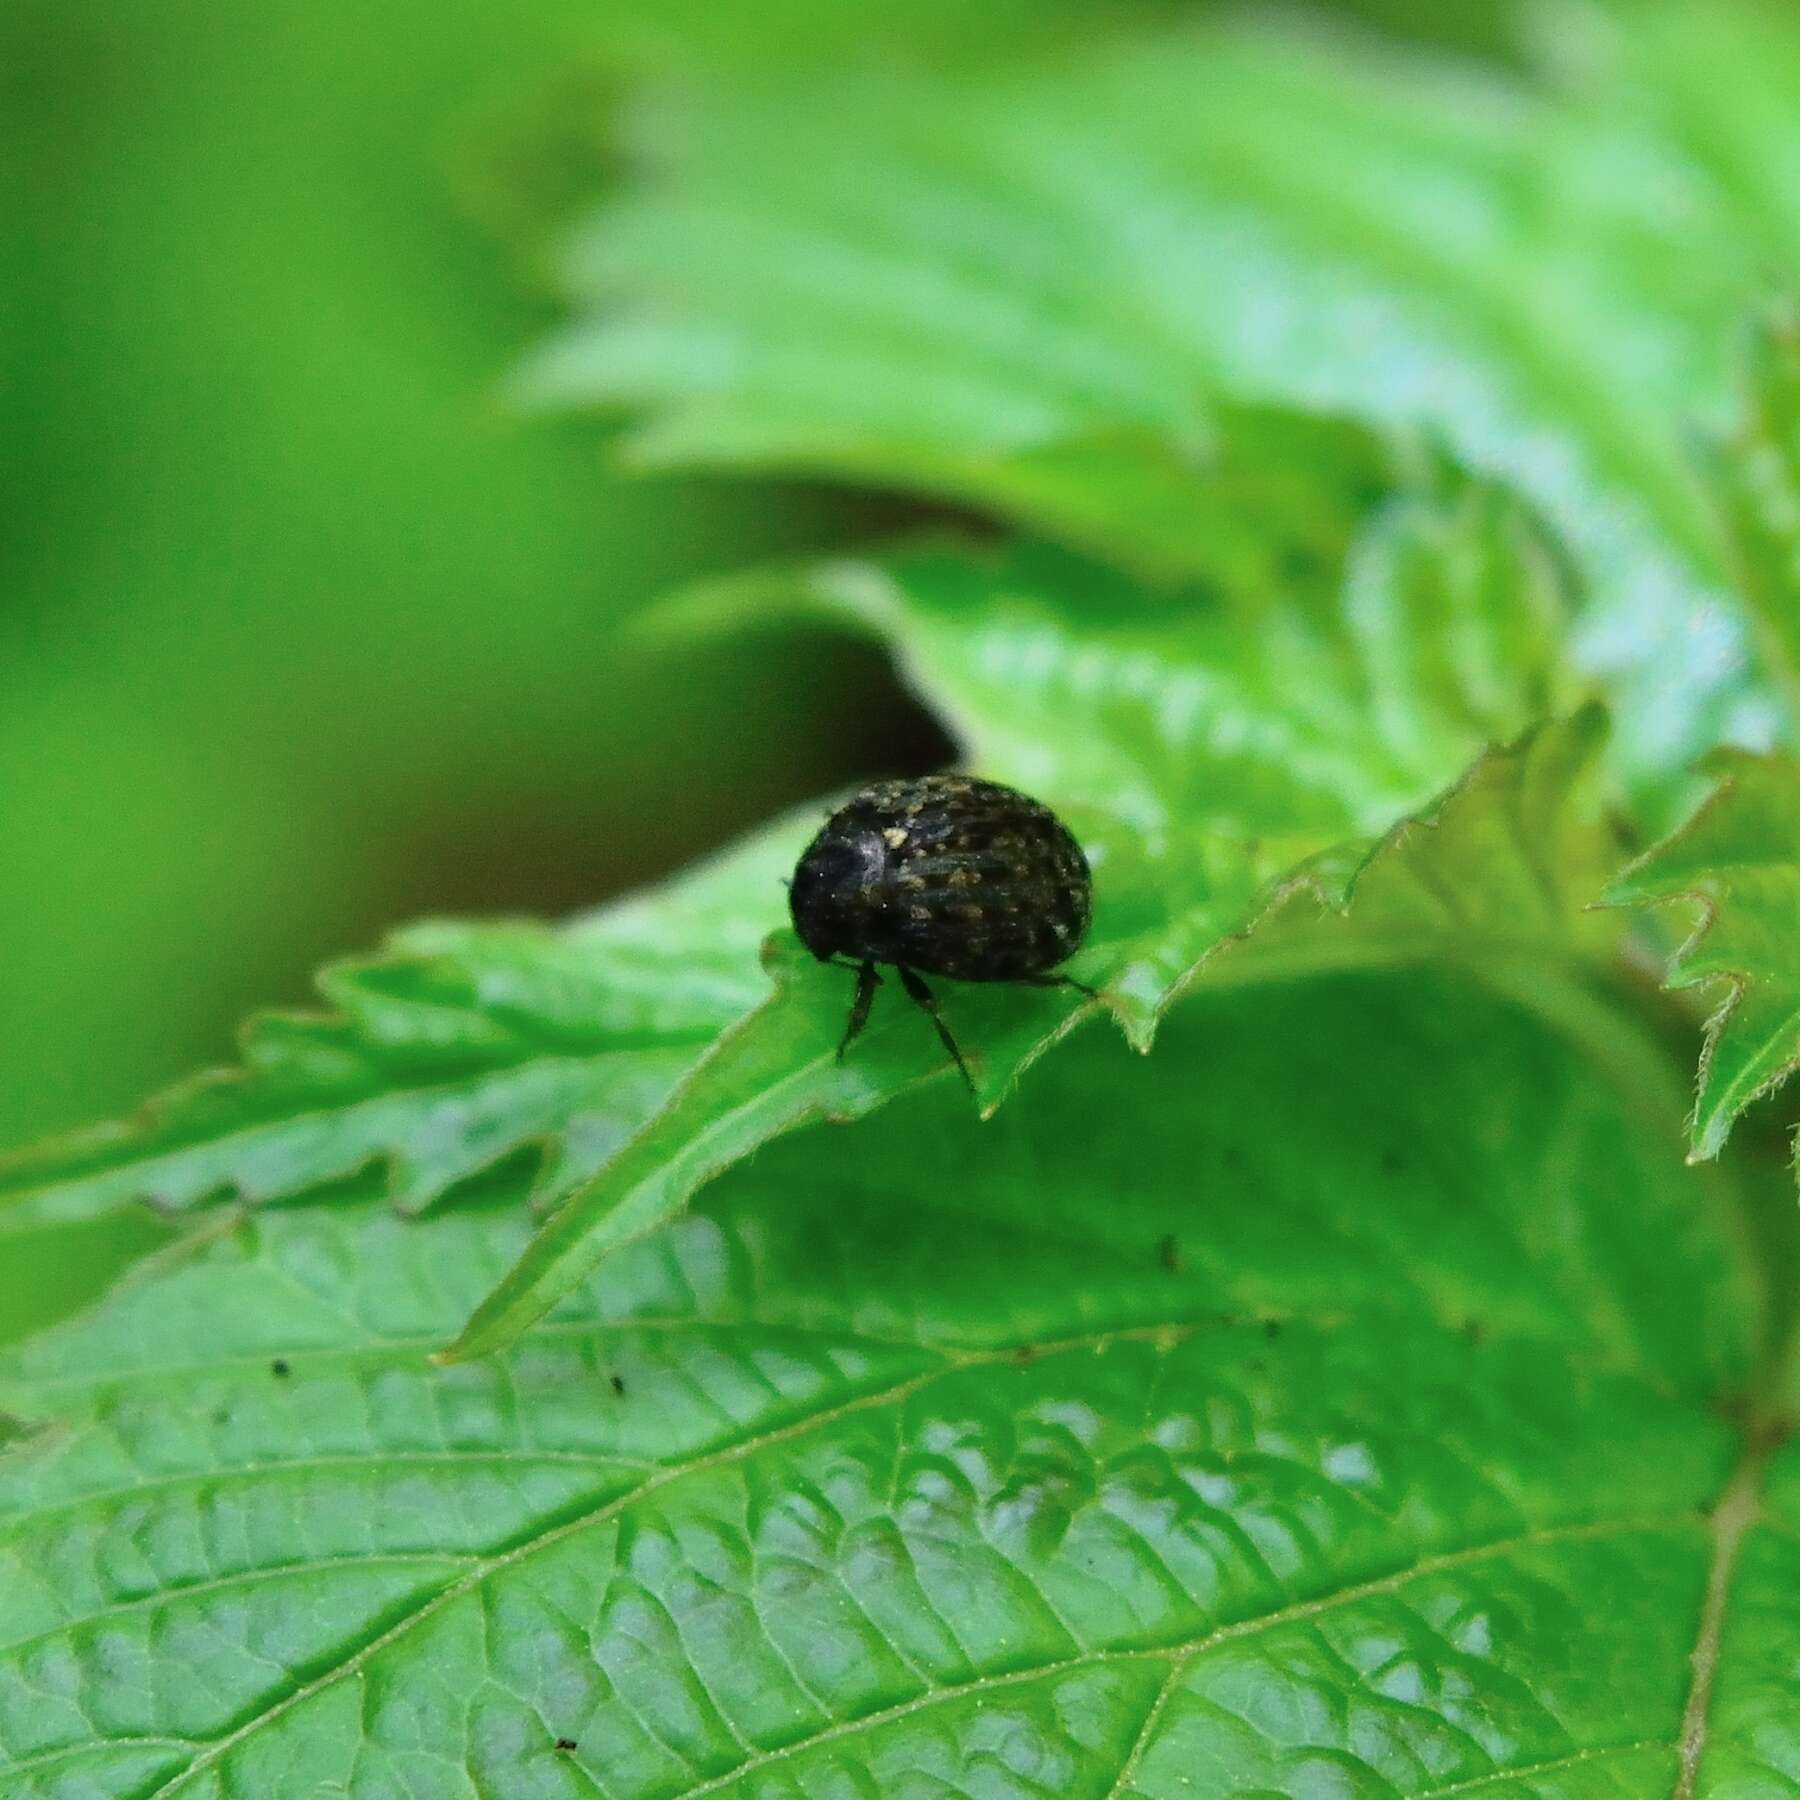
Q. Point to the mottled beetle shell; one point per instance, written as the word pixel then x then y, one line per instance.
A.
pixel 947 875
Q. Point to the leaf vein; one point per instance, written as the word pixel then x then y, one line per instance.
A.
pixel 1183 1655
pixel 242 1578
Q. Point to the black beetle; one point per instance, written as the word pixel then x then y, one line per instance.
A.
pixel 943 875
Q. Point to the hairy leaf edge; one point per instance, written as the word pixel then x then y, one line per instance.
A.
pixel 1709 1128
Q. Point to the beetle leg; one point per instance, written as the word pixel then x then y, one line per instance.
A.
pixel 867 981
pixel 927 1000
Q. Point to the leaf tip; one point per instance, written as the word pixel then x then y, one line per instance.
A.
pixel 1707 1135
pixel 481 1336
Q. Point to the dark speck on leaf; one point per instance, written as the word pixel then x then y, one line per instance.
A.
pixel 1168 1253
pixel 565 1744
pixel 279 1366
pixel 1474 1330
pixel 1025 1353
pixel 1271 1328
pixel 618 1386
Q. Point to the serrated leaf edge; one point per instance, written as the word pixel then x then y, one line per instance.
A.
pixel 1337 898
pixel 1708 1135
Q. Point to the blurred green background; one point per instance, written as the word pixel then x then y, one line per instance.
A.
pixel 300 634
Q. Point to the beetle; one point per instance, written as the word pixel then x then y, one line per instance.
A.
pixel 942 875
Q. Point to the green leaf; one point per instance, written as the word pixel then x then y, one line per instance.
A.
pixel 1331 1403
pixel 1499 876
pixel 1358 1397
pixel 1200 742
pixel 1196 760
pixel 459 1046
pixel 1201 750
pixel 774 1071
pixel 1759 479
pixel 942 287
pixel 1738 859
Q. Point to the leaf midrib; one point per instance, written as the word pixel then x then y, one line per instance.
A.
pixel 1732 1518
